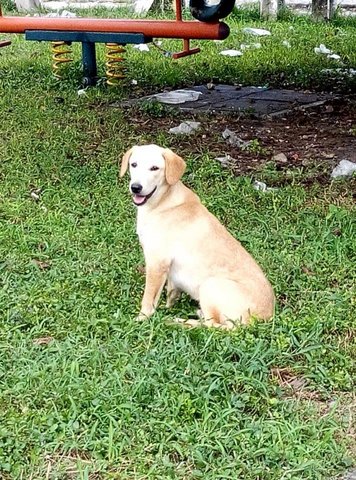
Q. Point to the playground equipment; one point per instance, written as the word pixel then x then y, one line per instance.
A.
pixel 116 33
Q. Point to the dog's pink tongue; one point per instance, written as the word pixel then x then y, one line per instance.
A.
pixel 138 199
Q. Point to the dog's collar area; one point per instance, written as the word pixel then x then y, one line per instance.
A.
pixel 142 199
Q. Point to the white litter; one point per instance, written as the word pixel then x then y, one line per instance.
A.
pixel 36 194
pixel 344 169
pixel 142 6
pixel 245 46
pixel 134 82
pixel 260 32
pixel 177 96
pixel 322 49
pixel 142 47
pixel 334 56
pixel 225 161
pixel 82 91
pixel 261 186
pixel 185 128
pixel 287 44
pixel 231 53
pixel 350 72
pixel 63 14
pixel 233 139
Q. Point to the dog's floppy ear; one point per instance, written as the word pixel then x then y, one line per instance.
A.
pixel 125 162
pixel 175 166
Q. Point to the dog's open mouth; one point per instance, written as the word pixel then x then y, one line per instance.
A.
pixel 142 199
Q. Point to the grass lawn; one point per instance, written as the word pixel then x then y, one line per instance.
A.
pixel 88 393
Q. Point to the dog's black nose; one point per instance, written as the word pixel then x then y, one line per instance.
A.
pixel 136 188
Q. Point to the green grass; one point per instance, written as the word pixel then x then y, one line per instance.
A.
pixel 110 398
pixel 273 64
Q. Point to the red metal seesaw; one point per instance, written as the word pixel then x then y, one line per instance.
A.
pixel 207 28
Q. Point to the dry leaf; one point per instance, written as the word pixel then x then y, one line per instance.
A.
pixel 43 340
pixel 41 265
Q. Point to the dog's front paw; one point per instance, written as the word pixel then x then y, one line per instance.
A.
pixel 141 316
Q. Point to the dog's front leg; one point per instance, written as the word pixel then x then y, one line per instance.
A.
pixel 156 277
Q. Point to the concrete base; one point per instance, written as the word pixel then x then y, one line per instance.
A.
pixel 257 101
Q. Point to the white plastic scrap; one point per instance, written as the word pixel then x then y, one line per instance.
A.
pixel 225 160
pixel 177 96
pixel 287 44
pixel 322 49
pixel 261 186
pixel 245 46
pixel 334 56
pixel 82 91
pixel 185 128
pixel 233 139
pixel 344 169
pixel 142 47
pixel 260 32
pixel 231 53
pixel 350 72
pixel 63 14
pixel 134 82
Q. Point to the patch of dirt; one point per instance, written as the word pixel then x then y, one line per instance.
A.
pixel 313 141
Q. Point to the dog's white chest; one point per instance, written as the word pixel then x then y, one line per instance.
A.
pixel 159 244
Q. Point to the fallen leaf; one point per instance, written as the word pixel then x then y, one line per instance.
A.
pixel 42 340
pixel 40 264
pixel 307 271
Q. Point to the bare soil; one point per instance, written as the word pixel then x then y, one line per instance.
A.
pixel 313 140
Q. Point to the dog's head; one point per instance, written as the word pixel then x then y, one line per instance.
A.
pixel 152 170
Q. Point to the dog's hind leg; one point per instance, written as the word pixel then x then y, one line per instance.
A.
pixel 224 303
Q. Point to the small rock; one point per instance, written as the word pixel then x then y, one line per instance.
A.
pixel 233 139
pixel 327 155
pixel 329 108
pixel 280 158
pixel 344 169
pixel 210 86
pixel 185 128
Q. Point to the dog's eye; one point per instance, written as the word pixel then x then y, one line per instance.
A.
pixel 153 168
pixel 134 165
